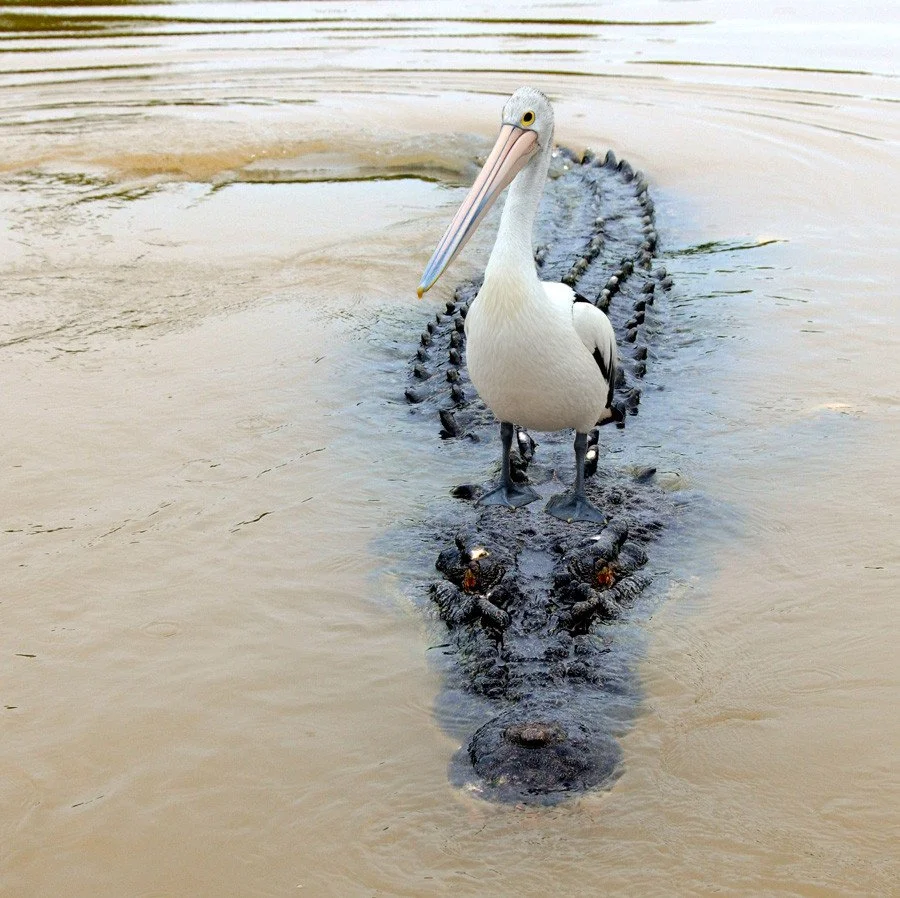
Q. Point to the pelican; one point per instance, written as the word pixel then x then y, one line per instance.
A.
pixel 539 355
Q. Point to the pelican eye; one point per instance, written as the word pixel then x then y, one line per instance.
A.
pixel 528 118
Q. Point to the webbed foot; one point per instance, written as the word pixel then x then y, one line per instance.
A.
pixel 569 507
pixel 512 495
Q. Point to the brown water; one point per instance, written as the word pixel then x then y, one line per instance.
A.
pixel 214 679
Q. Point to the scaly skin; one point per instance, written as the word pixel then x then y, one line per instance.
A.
pixel 531 602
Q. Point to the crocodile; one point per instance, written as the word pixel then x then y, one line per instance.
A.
pixel 531 603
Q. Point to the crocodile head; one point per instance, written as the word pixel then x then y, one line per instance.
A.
pixel 530 626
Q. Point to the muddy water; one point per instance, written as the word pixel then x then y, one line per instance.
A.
pixel 215 680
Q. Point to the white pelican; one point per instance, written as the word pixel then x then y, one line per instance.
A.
pixel 539 356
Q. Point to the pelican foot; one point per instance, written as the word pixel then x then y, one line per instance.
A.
pixel 569 507
pixel 513 495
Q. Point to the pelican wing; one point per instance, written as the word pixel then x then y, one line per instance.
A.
pixel 598 336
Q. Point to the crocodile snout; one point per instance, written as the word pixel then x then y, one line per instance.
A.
pixel 542 753
pixel 535 735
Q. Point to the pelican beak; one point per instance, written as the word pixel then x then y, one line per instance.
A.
pixel 514 147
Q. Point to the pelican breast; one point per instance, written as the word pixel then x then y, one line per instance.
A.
pixel 528 361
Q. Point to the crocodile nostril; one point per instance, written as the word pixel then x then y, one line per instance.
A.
pixel 535 735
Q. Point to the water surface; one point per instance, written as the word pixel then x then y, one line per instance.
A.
pixel 215 676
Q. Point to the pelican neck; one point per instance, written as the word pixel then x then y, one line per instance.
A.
pixel 512 257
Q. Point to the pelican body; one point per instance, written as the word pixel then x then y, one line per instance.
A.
pixel 539 355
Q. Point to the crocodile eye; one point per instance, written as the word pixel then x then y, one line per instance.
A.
pixel 528 118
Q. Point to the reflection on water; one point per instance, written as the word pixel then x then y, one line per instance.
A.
pixel 215 679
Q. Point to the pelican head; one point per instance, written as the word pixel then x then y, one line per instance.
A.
pixel 526 131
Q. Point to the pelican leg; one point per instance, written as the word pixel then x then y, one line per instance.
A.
pixel 573 504
pixel 509 493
